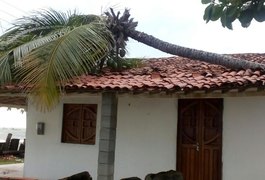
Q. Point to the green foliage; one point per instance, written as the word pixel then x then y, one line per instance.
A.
pixel 134 62
pixel 128 63
pixel 260 15
pixel 230 10
pixel 216 12
pixel 45 50
pixel 205 1
pixel 208 13
pixel 118 63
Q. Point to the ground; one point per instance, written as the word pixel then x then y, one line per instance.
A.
pixel 9 159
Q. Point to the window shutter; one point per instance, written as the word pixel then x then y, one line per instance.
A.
pixel 89 124
pixel 79 123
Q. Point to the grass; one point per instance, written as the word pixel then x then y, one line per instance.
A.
pixel 9 159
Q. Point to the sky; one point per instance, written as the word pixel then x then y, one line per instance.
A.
pixel 177 21
pixel 12 118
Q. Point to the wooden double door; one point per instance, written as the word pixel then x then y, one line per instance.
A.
pixel 199 146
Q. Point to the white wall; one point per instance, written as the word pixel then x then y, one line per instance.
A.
pixel 46 157
pixel 147 128
pixel 244 138
pixel 146 139
pixel 146 136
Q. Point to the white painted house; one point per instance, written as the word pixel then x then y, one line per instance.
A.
pixel 171 113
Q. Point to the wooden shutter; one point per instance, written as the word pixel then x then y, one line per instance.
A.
pixel 79 123
pixel 89 123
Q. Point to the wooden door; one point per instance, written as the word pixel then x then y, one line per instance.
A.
pixel 199 147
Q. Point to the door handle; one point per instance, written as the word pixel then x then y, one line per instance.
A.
pixel 197 146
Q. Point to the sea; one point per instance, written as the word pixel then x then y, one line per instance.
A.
pixel 18 133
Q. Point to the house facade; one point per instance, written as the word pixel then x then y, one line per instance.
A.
pixel 171 113
pixel 146 140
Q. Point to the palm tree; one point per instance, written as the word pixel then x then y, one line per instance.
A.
pixel 123 27
pixel 44 50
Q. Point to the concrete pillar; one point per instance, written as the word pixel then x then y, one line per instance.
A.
pixel 107 136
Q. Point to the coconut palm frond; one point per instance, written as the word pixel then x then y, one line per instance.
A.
pixel 43 22
pixel 77 20
pixel 6 75
pixel 9 34
pixel 42 26
pixel 20 51
pixel 20 30
pixel 46 67
pixel 43 18
pixel 12 54
pixel 46 49
pixel 31 32
pixel 17 37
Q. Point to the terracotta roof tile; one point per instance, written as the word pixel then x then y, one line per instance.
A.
pixel 174 73
pixel 169 74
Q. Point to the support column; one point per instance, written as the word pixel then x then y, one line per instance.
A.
pixel 107 136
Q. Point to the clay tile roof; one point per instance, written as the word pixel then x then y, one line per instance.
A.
pixel 173 74
pixel 169 74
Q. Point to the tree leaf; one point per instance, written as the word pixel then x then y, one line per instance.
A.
pixel 246 17
pixel 232 12
pixel 216 12
pixel 5 70
pixel 225 20
pixel 229 25
pixel 46 68
pixel 206 1
pixel 260 14
pixel 228 16
pixel 208 13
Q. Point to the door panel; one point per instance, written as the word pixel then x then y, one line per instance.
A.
pixel 189 162
pixel 200 139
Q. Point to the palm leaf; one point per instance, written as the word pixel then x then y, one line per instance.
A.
pixel 45 68
pixel 6 70
pixel 9 59
pixel 41 23
pixel 34 31
pixel 46 49
pixel 22 50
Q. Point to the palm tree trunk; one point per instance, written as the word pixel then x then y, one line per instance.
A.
pixel 213 58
